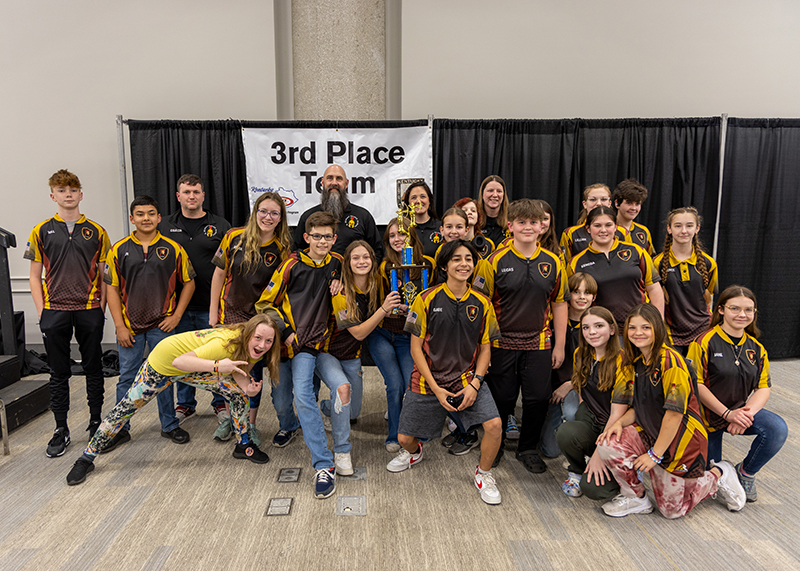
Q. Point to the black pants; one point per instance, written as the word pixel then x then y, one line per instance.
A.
pixel 57 327
pixel 512 370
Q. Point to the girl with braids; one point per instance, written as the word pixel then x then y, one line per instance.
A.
pixel 688 277
pixel 597 372
pixel 575 239
pixel 662 432
pixel 389 344
pixel 420 196
pixel 475 220
pixel 357 312
pixel 493 206
pixel 245 261
pixel 734 385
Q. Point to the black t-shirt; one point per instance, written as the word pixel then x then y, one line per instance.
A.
pixel 431 236
pixel 494 232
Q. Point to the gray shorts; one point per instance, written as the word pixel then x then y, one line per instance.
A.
pixel 423 416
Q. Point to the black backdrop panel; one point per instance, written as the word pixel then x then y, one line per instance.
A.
pixel 758 224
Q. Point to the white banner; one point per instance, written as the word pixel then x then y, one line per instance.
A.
pixel 379 163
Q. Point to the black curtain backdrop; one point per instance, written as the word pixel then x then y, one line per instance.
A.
pixel 676 159
pixel 760 206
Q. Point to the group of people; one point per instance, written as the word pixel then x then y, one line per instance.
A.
pixel 618 357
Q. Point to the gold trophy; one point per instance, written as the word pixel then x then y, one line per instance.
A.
pixel 409 290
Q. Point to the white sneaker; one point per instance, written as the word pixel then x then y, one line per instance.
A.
pixel 344 465
pixel 623 505
pixel 404 460
pixel 572 485
pixel 487 486
pixel 326 422
pixel 386 415
pixel 393 447
pixel 729 489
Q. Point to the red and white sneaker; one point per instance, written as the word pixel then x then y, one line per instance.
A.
pixel 487 486
pixel 182 413
pixel 404 460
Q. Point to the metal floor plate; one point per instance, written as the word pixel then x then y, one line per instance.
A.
pixel 289 475
pixel 280 506
pixel 359 473
pixel 351 505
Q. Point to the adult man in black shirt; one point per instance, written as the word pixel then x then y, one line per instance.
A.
pixel 355 222
pixel 200 234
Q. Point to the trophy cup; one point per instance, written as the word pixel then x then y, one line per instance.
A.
pixel 409 290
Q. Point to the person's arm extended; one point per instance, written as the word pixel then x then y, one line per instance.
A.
pixel 37 290
pixel 217 281
pixel 363 329
pixel 614 430
pixel 124 337
pixel 239 370
pixel 422 365
pixel 669 428
pixel 560 318
pixel 170 322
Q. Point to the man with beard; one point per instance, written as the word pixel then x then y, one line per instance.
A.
pixel 355 222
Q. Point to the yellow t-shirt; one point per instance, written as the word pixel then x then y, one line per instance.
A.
pixel 206 344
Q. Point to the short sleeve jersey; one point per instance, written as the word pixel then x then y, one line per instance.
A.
pixel 430 236
pixel 685 308
pixel 599 402
pixel 521 291
pixel 206 344
pixel 576 239
pixel 564 373
pixel 242 288
pixel 342 344
pixel 640 235
pixel 621 277
pixel 147 282
pixel 669 386
pixel 298 297
pixel 452 330
pixel 714 357
pixel 408 290
pixel 71 278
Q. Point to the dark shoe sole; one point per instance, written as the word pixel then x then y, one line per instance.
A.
pixel 461 451
pixel 57 454
pixel 75 482
pixel 285 444
pixel 117 442
pixel 181 437
pixel 531 464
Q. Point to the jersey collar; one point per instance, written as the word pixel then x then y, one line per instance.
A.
pixel 614 246
pixel 452 296
pixel 78 221
pixel 517 253
pixel 156 238
pixel 721 332
pixel 691 260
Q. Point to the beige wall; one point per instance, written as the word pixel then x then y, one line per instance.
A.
pixel 615 58
pixel 68 68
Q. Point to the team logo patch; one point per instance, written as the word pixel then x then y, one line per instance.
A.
pixel 351 221
pixel 472 312
pixel 210 230
pixel 87 233
pixel 655 378
pixel 624 255
pixel 640 236
pixel 545 268
pixel 751 356
pixel 269 259
pixel 162 252
pixel 436 237
pixel 249 451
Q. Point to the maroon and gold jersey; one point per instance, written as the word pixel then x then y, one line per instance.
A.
pixel 639 235
pixel 714 356
pixel 685 308
pixel 298 298
pixel 71 278
pixel 576 239
pixel 669 386
pixel 621 277
pixel 521 291
pixel 241 288
pixel 452 330
pixel 147 281
pixel 342 344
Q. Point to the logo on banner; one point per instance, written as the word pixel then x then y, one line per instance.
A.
pixel 472 312
pixel 641 237
pixel 351 221
pixel 544 269
pixel 624 255
pixel 751 356
pixel 162 252
pixel 288 196
pixel 210 231
pixel 87 233
pixel 269 259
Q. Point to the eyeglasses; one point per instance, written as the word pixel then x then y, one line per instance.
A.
pixel 268 214
pixel 321 237
pixel 736 309
pixel 594 199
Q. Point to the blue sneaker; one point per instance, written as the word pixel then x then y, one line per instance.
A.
pixel 324 483
pixel 512 430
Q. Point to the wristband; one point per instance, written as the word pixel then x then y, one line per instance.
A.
pixel 384 310
pixel 473 387
pixel 726 413
pixel 655 457
pixel 216 367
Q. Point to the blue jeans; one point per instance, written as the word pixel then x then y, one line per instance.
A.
pixel 770 431
pixel 130 359
pixel 392 354
pixel 193 320
pixel 283 399
pixel 352 370
pixel 556 415
pixel 335 373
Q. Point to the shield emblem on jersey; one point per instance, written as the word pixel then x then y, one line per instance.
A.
pixel 436 237
pixel 472 312
pixel 269 259
pixel 351 221
pixel 162 252
pixel 655 378
pixel 87 233
pixel 624 255
pixel 641 237
pixel 545 268
pixel 751 356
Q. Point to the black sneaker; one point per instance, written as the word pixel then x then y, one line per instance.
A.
pixel 93 426
pixel 177 435
pixel 532 462
pixel 250 452
pixel 120 437
pixel 466 442
pixel 58 443
pixel 79 470
pixel 283 438
pixel 451 438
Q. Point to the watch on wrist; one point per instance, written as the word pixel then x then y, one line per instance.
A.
pixel 480 378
